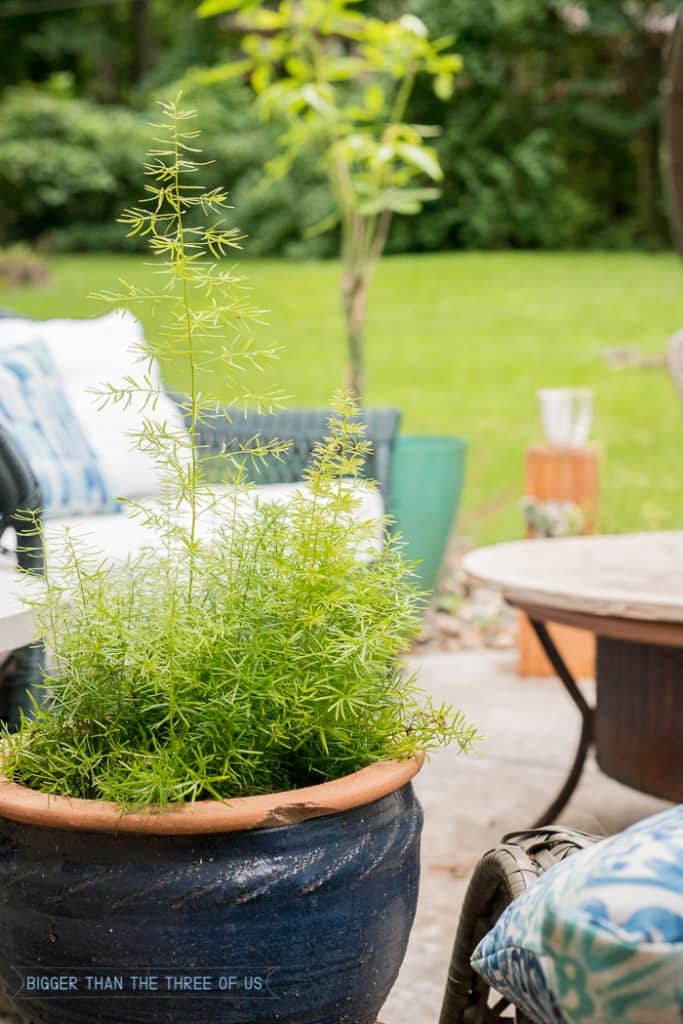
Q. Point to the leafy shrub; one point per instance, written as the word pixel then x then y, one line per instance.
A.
pixel 553 137
pixel 67 167
pixel 551 140
pixel 64 162
pixel 20 265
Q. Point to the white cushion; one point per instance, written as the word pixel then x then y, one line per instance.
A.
pixel 119 536
pixel 89 353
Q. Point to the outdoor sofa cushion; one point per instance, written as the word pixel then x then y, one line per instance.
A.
pixel 121 535
pixel 38 417
pixel 88 354
pixel 598 939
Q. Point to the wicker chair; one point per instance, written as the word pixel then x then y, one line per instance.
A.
pixel 20 672
pixel 502 874
pixel 304 428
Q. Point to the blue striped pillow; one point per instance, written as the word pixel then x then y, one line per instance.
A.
pixel 36 413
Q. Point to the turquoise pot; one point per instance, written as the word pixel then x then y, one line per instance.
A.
pixel 427 476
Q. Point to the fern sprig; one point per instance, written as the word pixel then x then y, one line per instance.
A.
pixel 252 645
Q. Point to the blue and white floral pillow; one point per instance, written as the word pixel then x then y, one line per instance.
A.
pixel 599 938
pixel 35 412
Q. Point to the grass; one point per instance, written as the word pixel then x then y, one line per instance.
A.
pixel 460 343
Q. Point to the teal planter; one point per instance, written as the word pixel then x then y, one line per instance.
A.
pixel 427 476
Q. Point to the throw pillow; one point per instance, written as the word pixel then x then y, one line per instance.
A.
pixel 598 939
pixel 36 413
pixel 89 353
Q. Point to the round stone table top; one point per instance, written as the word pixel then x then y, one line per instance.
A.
pixel 596 582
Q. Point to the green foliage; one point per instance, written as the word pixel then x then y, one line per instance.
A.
pixel 112 53
pixel 551 139
pixel 341 81
pixel 64 162
pixel 264 658
pixel 240 143
pixel 554 140
pixel 68 166
pixel 553 518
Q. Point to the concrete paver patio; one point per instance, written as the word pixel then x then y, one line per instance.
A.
pixel 530 730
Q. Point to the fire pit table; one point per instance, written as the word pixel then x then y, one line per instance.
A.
pixel 628 591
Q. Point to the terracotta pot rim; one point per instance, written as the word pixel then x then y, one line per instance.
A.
pixel 271 810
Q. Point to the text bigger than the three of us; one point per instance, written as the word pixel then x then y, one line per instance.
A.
pixel 49 984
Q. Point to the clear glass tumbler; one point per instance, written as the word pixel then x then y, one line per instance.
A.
pixel 567 415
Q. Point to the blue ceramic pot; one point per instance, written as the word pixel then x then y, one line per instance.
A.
pixel 304 924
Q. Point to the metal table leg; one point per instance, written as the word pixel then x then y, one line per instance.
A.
pixel 586 739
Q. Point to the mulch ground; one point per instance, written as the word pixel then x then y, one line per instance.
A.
pixel 464 617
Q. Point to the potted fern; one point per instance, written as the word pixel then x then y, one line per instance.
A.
pixel 212 818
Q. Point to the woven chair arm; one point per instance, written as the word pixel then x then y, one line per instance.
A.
pixel 20 494
pixel 502 875
pixel 19 488
pixel 20 505
pixel 21 674
pixel 230 430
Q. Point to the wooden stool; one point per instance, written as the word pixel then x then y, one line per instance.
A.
pixel 560 474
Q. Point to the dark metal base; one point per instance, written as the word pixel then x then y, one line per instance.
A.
pixel 586 738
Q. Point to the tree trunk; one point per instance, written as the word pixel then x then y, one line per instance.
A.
pixel 354 302
pixel 107 87
pixel 144 39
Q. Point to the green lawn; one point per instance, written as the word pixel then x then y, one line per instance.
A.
pixel 460 343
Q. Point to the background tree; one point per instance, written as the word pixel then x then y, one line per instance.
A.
pixel 111 50
pixel 551 139
pixel 342 81
pixel 554 140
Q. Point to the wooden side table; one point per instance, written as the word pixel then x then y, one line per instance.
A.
pixel 560 474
